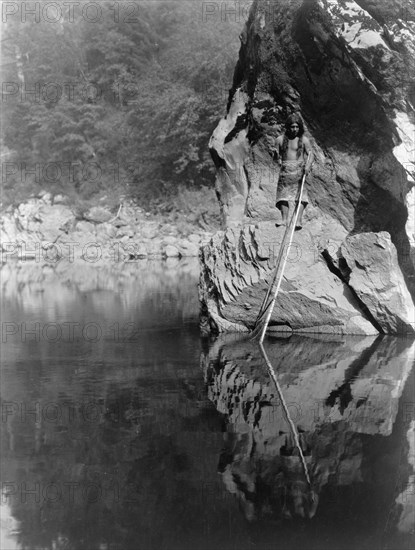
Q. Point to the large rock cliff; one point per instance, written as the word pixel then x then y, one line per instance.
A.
pixel 347 67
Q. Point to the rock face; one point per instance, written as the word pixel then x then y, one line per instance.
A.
pixel 346 66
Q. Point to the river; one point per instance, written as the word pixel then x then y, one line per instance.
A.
pixel 122 428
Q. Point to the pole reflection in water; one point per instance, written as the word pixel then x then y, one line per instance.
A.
pixel 318 429
pixel 311 498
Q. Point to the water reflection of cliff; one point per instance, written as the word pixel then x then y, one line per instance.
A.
pixel 343 397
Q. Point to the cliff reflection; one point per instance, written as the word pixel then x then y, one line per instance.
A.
pixel 340 398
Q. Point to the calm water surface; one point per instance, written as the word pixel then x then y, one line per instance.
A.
pixel 123 429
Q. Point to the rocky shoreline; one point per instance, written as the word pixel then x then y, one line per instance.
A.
pixel 47 229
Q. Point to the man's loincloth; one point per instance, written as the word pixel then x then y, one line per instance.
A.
pixel 289 182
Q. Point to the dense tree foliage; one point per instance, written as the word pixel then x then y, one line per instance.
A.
pixel 124 105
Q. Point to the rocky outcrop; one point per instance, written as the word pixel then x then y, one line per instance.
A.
pixel 46 229
pixel 346 67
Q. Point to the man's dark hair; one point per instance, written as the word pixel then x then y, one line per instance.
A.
pixel 295 118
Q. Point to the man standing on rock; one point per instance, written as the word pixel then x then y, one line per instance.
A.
pixel 295 157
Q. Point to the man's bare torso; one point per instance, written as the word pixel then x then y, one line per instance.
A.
pixel 291 152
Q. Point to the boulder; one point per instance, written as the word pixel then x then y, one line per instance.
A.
pixel 169 229
pixel 60 199
pixel 27 212
pixel 194 238
pixel 98 214
pixel 170 239
pixel 149 230
pixel 377 280
pixel 121 222
pixel 171 251
pixel 141 250
pixel 80 243
pixel 46 197
pixel 188 248
pixel 54 221
pixel 121 232
pixel 85 227
pixel 36 221
pixel 9 230
pixel 129 232
pixel 105 231
pixel 340 65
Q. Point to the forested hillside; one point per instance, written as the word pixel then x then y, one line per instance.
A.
pixel 121 106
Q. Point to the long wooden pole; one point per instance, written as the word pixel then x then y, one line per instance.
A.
pixel 277 263
pixel 261 328
pixel 266 303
